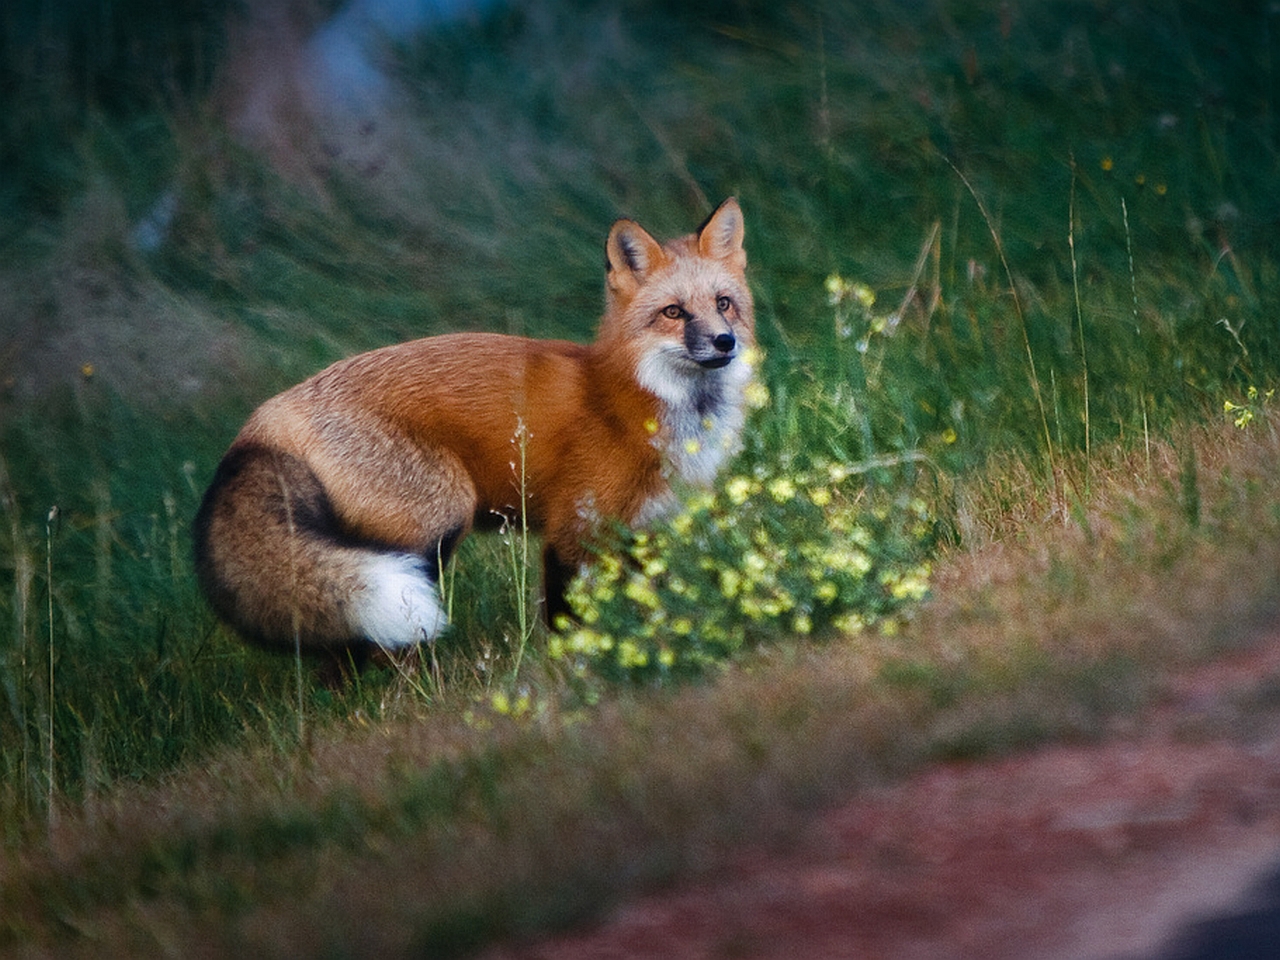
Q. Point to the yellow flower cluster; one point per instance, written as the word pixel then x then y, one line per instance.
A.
pixel 771 555
pixel 839 290
pixel 502 703
pixel 853 315
pixel 1242 414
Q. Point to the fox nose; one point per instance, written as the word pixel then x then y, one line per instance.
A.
pixel 724 342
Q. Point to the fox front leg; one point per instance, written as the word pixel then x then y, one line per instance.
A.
pixel 557 574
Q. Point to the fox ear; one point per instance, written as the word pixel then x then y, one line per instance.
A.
pixel 720 238
pixel 630 255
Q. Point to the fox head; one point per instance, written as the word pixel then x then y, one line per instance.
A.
pixel 681 315
pixel 684 305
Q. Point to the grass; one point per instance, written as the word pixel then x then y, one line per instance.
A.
pixel 478 824
pixel 1024 258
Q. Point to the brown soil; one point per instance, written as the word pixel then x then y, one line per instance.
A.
pixel 1072 851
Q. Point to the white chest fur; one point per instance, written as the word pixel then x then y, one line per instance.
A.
pixel 702 412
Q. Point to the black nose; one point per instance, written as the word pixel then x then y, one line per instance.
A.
pixel 724 342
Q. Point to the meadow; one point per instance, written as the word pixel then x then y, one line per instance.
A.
pixel 1016 282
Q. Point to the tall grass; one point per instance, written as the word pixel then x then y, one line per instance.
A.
pixel 847 132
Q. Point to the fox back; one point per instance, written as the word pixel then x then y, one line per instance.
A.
pixel 328 520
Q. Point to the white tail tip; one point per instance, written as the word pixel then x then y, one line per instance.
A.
pixel 399 606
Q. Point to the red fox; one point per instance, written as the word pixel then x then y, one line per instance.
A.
pixel 328 519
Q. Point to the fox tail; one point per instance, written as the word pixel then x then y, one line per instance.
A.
pixel 276 564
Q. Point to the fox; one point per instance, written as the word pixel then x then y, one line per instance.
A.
pixel 330 517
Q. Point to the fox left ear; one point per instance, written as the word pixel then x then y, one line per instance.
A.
pixel 720 238
pixel 630 256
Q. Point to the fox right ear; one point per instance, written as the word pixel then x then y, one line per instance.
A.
pixel 720 237
pixel 630 255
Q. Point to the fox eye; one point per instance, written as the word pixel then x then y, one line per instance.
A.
pixel 723 303
pixel 673 312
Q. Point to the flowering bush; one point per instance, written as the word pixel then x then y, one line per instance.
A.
pixel 767 557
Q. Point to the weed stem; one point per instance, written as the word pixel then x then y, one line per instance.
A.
pixel 1017 306
pixel 51 522
pixel 1075 288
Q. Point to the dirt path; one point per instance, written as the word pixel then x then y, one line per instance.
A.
pixel 1079 851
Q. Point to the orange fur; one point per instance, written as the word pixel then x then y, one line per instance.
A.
pixel 334 506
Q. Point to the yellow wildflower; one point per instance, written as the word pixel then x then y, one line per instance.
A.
pixel 630 655
pixel 756 394
pixel 730 582
pixel 782 489
pixel 738 490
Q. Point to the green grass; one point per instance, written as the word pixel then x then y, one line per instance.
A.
pixel 478 824
pixel 1067 220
